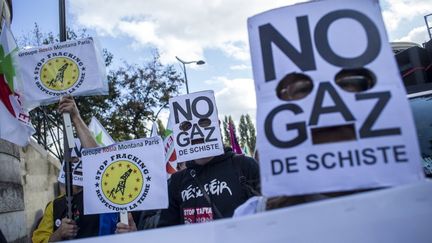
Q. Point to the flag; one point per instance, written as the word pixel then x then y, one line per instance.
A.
pixel 73 67
pixel 234 143
pixel 99 133
pixel 15 123
pixel 154 131
pixel 170 153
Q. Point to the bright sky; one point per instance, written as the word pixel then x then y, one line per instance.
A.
pixel 212 30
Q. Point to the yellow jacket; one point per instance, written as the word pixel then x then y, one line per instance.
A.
pixel 45 228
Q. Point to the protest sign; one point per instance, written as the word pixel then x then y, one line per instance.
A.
pixel 77 170
pixel 102 139
pixel 332 113
pixel 365 217
pixel 73 67
pixel 126 176
pixel 195 126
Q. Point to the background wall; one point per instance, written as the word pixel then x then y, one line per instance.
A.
pixel 28 181
pixel 12 214
pixel 39 172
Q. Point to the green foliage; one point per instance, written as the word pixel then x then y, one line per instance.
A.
pixel 143 90
pixel 225 132
pixel 247 134
pixel 251 142
pixel 161 128
pixel 243 132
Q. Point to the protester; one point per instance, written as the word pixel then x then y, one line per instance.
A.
pixel 54 225
pixel 149 219
pixel 210 188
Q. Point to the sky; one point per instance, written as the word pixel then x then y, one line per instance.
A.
pixel 211 30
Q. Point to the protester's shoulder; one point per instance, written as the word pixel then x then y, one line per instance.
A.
pixel 49 207
pixel 45 226
pixel 245 160
pixel 247 164
pixel 59 198
pixel 177 177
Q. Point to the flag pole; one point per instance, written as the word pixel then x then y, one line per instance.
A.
pixel 68 137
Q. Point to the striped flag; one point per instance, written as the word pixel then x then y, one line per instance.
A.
pixel 15 123
pixel 234 143
pixel 170 153
pixel 154 131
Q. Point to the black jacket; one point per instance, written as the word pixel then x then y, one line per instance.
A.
pixel 229 180
pixel 88 224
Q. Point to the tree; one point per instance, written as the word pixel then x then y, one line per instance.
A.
pixel 161 127
pixel 243 131
pixel 251 142
pixel 226 136
pixel 144 89
pixel 247 133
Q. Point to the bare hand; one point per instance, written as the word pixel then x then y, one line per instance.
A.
pixel 123 228
pixel 68 229
pixel 67 104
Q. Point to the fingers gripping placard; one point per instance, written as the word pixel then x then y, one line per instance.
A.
pixel 332 113
pixel 196 126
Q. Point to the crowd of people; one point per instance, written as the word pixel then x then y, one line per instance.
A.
pixel 230 180
pixel 202 190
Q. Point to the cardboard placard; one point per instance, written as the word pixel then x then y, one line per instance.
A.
pixel 77 170
pixel 332 113
pixel 195 126
pixel 126 176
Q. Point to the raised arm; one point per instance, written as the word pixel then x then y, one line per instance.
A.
pixel 67 104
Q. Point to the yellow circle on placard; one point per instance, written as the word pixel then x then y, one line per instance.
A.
pixel 59 73
pixel 122 182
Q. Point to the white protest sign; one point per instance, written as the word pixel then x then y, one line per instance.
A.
pixel 77 170
pixel 365 217
pixel 73 67
pixel 195 126
pixel 127 176
pixel 332 113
